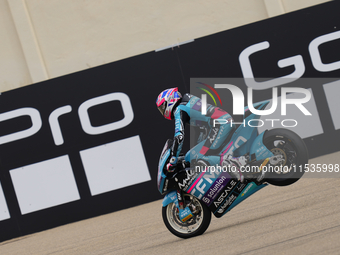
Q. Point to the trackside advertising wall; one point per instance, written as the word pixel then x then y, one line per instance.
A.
pixel 88 143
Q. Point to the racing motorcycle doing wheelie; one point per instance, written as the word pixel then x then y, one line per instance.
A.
pixel 204 187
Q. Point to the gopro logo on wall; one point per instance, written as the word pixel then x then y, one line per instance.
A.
pixel 83 114
pixel 296 61
pixel 51 182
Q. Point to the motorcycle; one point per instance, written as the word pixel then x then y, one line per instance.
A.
pixel 204 187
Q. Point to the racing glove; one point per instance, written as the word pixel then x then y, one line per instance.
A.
pixel 171 166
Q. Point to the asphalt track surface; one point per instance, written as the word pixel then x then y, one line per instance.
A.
pixel 303 218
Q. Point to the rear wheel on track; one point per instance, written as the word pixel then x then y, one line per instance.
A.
pixel 293 150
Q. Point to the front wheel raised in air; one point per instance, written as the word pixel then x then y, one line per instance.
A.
pixel 195 226
pixel 294 152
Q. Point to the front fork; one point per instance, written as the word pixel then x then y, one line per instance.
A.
pixel 176 197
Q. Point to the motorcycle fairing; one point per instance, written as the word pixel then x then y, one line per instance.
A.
pixel 239 193
pixel 170 198
pixel 244 140
pixel 259 149
pixel 249 190
pixel 161 177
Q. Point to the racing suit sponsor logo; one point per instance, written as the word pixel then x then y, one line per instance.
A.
pixel 220 132
pixel 213 134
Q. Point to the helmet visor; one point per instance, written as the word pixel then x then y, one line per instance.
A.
pixel 161 108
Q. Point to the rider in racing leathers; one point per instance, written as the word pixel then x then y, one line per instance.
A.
pixel 187 109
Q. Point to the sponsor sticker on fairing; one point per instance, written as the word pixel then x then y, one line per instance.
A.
pixel 216 188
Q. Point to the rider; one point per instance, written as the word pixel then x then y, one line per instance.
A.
pixel 187 109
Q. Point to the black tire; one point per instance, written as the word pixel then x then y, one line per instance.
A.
pixel 195 226
pixel 288 144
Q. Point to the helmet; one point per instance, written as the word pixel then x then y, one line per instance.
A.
pixel 166 101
